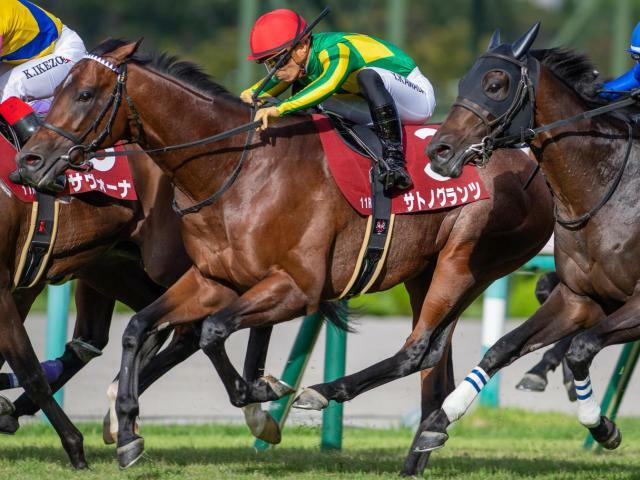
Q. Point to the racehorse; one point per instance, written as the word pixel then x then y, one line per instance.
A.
pixel 114 249
pixel 591 165
pixel 281 240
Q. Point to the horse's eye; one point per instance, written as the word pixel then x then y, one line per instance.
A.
pixel 494 87
pixel 85 96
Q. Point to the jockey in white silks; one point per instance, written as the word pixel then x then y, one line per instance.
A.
pixel 36 51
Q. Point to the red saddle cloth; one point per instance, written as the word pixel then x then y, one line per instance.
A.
pixel 430 191
pixel 110 175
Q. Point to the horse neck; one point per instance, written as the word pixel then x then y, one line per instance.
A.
pixel 577 158
pixel 173 113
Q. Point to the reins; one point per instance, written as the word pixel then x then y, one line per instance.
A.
pixel 114 102
pixel 580 221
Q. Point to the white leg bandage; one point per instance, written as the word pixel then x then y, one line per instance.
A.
pixel 457 403
pixel 588 408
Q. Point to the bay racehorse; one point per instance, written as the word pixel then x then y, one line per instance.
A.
pixel 281 240
pixel 125 251
pixel 591 165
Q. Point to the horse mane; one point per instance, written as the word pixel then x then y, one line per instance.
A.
pixel 575 69
pixel 186 72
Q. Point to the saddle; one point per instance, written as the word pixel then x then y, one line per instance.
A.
pixel 351 121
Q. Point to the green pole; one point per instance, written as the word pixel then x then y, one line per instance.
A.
pixel 294 369
pixel 494 314
pixel 245 68
pixel 57 316
pixel 334 367
pixel 397 15
pixel 617 385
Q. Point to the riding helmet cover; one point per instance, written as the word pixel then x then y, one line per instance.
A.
pixel 273 32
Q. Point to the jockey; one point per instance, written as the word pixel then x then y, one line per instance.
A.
pixel 36 51
pixel 630 80
pixel 323 64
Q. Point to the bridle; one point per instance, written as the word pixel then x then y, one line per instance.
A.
pixel 510 128
pixel 501 134
pixel 113 103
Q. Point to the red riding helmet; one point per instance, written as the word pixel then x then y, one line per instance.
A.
pixel 273 32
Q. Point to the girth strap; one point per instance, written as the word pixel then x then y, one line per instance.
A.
pixel 39 243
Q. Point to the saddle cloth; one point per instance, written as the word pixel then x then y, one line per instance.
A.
pixel 430 191
pixel 110 176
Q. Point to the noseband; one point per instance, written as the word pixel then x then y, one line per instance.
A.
pixel 113 103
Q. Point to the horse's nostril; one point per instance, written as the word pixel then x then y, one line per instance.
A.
pixel 31 161
pixel 443 151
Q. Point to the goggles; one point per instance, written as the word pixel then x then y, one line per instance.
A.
pixel 271 62
pixel 635 57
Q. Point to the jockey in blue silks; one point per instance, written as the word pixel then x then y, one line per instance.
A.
pixel 630 80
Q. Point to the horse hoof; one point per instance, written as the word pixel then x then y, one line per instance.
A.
pixel 279 387
pixel 108 436
pixel 532 383
pixel 6 406
pixel 607 434
pixel 428 441
pixel 262 425
pixel 130 453
pixel 309 399
pixel 8 424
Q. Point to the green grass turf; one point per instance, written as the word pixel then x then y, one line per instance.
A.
pixel 503 444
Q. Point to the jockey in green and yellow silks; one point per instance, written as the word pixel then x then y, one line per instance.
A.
pixel 324 64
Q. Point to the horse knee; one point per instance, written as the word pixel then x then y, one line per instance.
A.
pixel 214 332
pixel 583 348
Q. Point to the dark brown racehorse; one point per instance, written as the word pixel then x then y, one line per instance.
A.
pixel 282 240
pixel 592 167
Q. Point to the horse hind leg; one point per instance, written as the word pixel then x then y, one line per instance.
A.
pixel 535 380
pixel 450 291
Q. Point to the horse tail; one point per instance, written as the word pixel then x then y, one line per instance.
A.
pixel 336 312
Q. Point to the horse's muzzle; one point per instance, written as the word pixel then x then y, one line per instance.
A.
pixel 444 160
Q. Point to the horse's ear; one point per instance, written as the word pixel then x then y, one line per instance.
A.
pixel 522 45
pixel 125 52
pixel 495 40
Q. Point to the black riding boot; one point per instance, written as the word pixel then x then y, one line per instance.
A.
pixel 386 123
pixel 388 127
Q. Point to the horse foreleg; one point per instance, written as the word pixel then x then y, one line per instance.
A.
pixel 184 343
pixel 276 298
pixel 562 314
pixel 17 350
pixel 191 298
pixel 622 326
pixel 437 383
